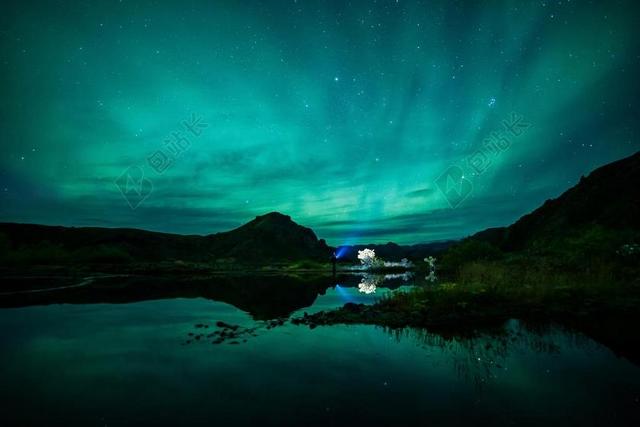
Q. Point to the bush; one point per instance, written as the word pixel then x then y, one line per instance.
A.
pixel 468 250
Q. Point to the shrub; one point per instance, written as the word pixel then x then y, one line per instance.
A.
pixel 468 250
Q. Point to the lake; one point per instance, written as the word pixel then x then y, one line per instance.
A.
pixel 105 357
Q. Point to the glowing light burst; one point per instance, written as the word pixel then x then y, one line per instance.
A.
pixel 367 256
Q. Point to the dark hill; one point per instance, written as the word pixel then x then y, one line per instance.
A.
pixel 270 237
pixel 608 198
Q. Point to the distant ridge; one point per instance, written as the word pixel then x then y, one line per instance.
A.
pixel 609 198
pixel 270 237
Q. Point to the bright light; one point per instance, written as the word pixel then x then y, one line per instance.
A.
pixel 369 283
pixel 367 256
pixel 341 251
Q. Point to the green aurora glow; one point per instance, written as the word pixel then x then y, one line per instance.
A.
pixel 341 114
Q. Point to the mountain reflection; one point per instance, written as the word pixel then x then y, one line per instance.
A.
pixel 264 297
pixel 479 356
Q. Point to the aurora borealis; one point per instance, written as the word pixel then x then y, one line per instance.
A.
pixel 342 114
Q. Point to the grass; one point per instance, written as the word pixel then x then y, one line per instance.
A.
pixel 531 283
pixel 489 290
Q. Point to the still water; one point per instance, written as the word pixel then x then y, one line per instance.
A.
pixel 137 362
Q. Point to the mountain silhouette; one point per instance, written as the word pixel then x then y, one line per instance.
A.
pixel 270 237
pixel 608 198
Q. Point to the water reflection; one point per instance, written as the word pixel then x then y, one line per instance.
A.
pixel 370 282
pixel 481 356
pixel 274 298
pixel 289 375
pixel 264 297
pixel 197 360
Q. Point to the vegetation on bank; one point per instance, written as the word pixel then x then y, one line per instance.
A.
pixel 593 271
pixel 492 291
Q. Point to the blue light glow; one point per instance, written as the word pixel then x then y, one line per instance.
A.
pixel 341 251
pixel 344 294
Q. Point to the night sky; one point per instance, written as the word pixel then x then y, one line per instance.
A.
pixel 343 114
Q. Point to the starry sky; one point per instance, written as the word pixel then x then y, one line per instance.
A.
pixel 369 121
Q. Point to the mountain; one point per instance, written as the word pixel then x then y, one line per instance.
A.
pixel 270 237
pixel 607 199
pixel 605 203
